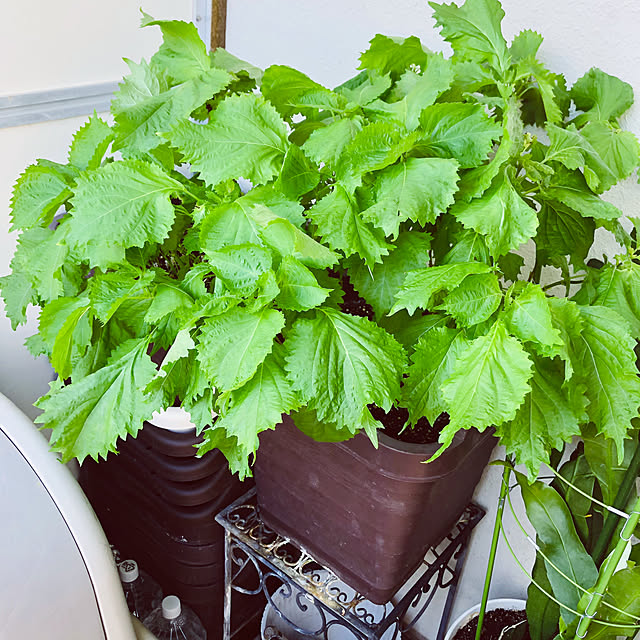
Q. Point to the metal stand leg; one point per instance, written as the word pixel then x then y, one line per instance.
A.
pixel 226 633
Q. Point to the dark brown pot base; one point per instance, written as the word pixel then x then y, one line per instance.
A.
pixel 368 514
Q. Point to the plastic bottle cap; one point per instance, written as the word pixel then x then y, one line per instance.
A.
pixel 128 570
pixel 171 607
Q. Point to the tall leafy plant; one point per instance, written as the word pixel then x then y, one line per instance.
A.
pixel 217 223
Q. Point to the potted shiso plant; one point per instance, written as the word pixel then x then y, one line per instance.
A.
pixel 339 256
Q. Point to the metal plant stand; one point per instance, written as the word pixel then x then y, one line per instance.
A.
pixel 259 560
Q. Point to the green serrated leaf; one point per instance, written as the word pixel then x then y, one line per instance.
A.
pixel 525 45
pixel 473 30
pixel 245 137
pixel 342 227
pixel 571 189
pixel 474 300
pixel 575 150
pixel 291 91
pixel 327 143
pixel 299 175
pixel 222 59
pixel 501 215
pixel 90 143
pixel 488 384
pixel 169 299
pixel 240 266
pixel 232 346
pixel 380 284
pixel 600 96
pixel 418 189
pixel 431 364
pixel 340 364
pixel 607 368
pixel 619 150
pixel 528 317
pixel 88 416
pixel 375 147
pixel 365 87
pixel 143 82
pixel 416 91
pixel 138 125
pixel 37 195
pixel 393 55
pixel 126 202
pixel 108 291
pixel 420 285
pixel 182 53
pixel 544 422
pixel 618 288
pixel 460 131
pixel 511 264
pixel 259 404
pixel 563 231
pixel 299 289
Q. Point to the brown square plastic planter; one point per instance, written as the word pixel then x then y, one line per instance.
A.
pixel 369 514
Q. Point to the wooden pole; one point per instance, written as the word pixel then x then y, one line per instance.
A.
pixel 218 23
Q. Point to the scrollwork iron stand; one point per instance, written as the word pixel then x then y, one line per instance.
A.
pixel 259 560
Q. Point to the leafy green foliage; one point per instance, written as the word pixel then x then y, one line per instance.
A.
pixel 600 96
pixel 418 189
pixel 339 364
pixel 37 195
pixel 380 284
pixel 460 131
pixel 244 138
pixel 420 285
pixel 219 218
pixel 432 363
pixel 232 346
pixel 560 543
pixel 76 413
pixel 122 204
pixel 473 30
pixel 495 360
pixel 342 226
pixel 608 372
pixel 501 215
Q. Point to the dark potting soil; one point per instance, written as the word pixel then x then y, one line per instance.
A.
pixel 423 432
pixel 494 623
pixel 353 303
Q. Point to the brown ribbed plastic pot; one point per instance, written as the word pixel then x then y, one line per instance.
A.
pixel 369 514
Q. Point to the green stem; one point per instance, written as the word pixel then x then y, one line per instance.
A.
pixel 536 272
pixel 620 503
pixel 606 572
pixel 559 282
pixel 494 544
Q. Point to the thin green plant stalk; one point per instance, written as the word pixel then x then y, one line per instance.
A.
pixel 506 474
pixel 606 572
pixel 620 502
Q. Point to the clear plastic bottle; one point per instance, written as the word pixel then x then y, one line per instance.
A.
pixel 172 621
pixel 142 592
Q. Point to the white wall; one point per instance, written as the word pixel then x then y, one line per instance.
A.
pixel 324 39
pixel 50 45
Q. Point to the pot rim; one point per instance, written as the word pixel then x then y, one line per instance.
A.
pixel 493 603
pixel 416 448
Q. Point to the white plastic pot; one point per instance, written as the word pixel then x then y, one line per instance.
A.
pixel 511 604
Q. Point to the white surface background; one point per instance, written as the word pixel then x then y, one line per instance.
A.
pixel 46 45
